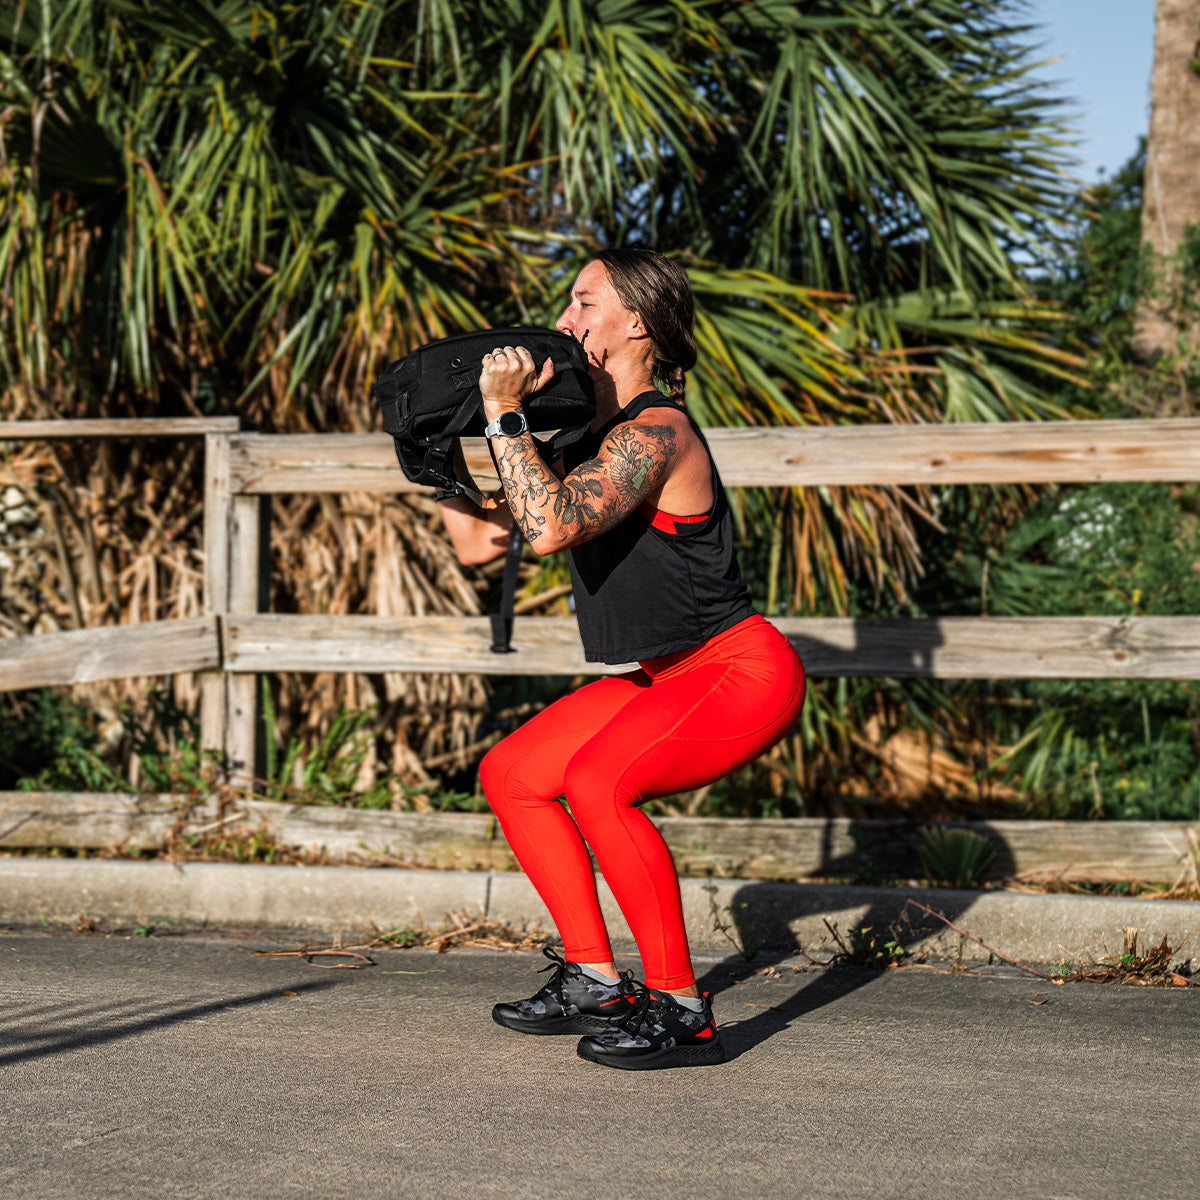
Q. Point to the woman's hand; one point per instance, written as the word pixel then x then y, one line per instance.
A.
pixel 508 376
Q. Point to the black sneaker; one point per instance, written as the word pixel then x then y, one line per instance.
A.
pixel 656 1032
pixel 570 1002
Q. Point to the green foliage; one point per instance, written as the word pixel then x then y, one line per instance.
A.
pixel 955 857
pixel 1120 749
pixel 264 200
pixel 75 768
pixel 150 928
pixel 875 949
pixel 49 743
pixel 165 740
pixel 327 771
pixel 336 768
pixel 1101 273
pixel 401 937
pixel 1104 749
pixel 1102 267
pixel 871 948
pixel 255 847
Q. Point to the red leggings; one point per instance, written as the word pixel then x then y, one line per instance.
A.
pixel 678 723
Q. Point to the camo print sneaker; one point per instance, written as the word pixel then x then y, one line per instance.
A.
pixel 570 1002
pixel 656 1032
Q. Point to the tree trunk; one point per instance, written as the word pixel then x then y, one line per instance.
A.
pixel 1172 199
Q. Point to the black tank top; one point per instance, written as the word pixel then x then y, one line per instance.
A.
pixel 642 592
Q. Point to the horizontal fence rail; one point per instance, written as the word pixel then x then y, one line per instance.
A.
pixel 116 427
pixel 1041 452
pixel 757 848
pixel 949 648
pixel 831 647
pixel 110 652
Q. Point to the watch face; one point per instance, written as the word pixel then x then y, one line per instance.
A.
pixel 511 423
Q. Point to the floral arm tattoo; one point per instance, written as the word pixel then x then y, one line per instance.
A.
pixel 596 495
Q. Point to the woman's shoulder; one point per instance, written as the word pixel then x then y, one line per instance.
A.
pixel 668 417
pixel 653 408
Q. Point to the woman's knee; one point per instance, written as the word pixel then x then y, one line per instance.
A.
pixel 513 773
pixel 594 786
pixel 495 772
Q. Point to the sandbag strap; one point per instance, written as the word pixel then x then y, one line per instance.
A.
pixel 439 453
pixel 502 621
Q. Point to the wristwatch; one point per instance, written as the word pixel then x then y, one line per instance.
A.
pixel 509 424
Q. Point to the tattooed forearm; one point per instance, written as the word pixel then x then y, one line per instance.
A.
pixel 598 495
pixel 526 482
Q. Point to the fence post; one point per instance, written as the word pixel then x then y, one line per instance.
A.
pixel 249 592
pixel 216 584
pixel 234 582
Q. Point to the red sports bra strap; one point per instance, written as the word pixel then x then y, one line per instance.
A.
pixel 668 522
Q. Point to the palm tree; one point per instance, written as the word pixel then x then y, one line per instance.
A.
pixel 1172 188
pixel 249 203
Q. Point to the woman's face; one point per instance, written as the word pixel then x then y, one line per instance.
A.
pixel 595 311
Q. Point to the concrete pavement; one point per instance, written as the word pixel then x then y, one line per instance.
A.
pixel 189 1067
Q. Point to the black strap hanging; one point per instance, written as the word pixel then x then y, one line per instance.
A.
pixel 502 621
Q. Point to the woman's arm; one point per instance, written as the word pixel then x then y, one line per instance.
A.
pixel 556 513
pixel 478 533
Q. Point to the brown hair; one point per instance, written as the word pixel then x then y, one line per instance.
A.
pixel 658 290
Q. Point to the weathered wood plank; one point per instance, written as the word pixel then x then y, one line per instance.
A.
pixel 99 821
pixel 1032 851
pixel 950 648
pixel 1000 647
pixel 1012 452
pixel 794 849
pixel 218 501
pixel 276 642
pixel 109 652
pixel 218 522
pixel 117 427
pixel 332 462
pixel 1009 452
pixel 248 590
pixel 94 820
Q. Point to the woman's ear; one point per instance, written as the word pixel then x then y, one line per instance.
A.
pixel 636 328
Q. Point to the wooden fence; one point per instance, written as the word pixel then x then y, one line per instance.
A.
pixel 235 639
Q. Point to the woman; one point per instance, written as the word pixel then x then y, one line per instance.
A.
pixel 637 503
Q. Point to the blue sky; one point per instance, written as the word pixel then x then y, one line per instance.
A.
pixel 1105 50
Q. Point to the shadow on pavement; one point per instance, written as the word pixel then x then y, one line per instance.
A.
pixel 831 985
pixel 63 1040
pixel 766 916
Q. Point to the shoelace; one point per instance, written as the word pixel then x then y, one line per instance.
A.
pixel 646 1006
pixel 555 984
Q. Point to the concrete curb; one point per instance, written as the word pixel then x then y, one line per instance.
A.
pixel 721 914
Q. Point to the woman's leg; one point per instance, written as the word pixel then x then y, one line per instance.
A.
pixel 522 778
pixel 677 734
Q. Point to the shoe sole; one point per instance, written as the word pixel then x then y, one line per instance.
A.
pixel 581 1023
pixel 674 1056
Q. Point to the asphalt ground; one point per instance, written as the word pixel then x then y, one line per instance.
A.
pixel 194 1067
